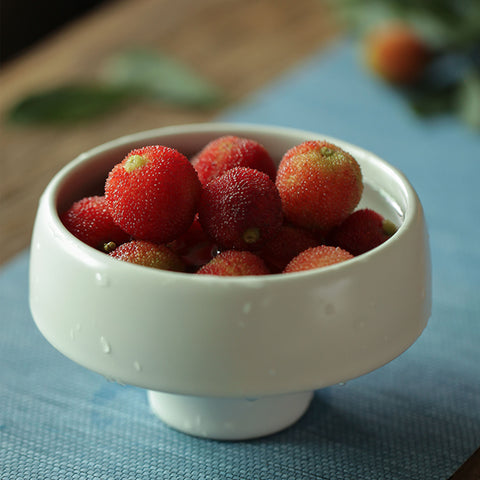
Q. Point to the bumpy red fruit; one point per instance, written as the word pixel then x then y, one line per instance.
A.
pixel 235 263
pixel 287 244
pixel 362 231
pixel 149 254
pixel 153 193
pixel 319 184
pixel 228 152
pixel 90 221
pixel 241 209
pixel 317 257
pixel 194 246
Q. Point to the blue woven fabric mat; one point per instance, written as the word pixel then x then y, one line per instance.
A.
pixel 417 418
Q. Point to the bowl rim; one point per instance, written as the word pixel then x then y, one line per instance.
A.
pixel 96 257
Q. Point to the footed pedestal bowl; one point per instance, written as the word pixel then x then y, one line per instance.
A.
pixel 229 357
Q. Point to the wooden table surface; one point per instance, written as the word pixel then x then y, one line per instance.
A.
pixel 238 44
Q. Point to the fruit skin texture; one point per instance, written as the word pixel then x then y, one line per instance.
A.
pixel 90 221
pixel 319 184
pixel 362 231
pixel 395 52
pixel 194 246
pixel 149 254
pixel 317 257
pixel 241 209
pixel 287 244
pixel 231 151
pixel 153 193
pixel 231 263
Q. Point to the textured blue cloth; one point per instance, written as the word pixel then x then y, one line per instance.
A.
pixel 416 418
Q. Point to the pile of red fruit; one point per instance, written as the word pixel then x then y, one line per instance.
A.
pixel 230 211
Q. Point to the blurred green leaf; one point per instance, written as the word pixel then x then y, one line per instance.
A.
pixel 469 99
pixel 450 83
pixel 433 102
pixel 444 23
pixel 127 76
pixel 66 104
pixel 436 91
pixel 154 75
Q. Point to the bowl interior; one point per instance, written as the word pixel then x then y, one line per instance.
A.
pixel 384 188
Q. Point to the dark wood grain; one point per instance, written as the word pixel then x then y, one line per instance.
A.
pixel 470 470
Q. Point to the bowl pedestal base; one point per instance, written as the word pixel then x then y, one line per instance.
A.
pixel 229 418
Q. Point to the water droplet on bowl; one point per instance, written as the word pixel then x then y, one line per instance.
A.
pixel 105 345
pixel 246 308
pixel 55 232
pixel 272 372
pixel 137 366
pixel 101 279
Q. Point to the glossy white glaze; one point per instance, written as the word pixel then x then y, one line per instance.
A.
pixel 229 337
pixel 229 418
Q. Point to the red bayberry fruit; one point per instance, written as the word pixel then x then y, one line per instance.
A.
pixel 396 52
pixel 319 184
pixel 194 246
pixel 235 263
pixel 241 209
pixel 362 231
pixel 317 257
pixel 287 244
pixel 228 152
pixel 193 236
pixel 90 221
pixel 149 254
pixel 153 193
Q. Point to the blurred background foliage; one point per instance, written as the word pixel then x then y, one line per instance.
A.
pixel 434 63
pixel 448 81
pixel 445 24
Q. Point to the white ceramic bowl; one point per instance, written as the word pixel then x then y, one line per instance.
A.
pixel 229 358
